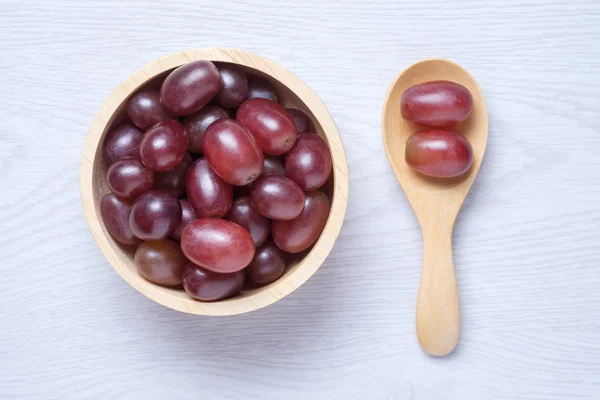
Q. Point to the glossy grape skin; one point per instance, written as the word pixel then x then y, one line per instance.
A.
pixel 164 146
pixel 277 197
pixel 155 215
pixel 232 152
pixel 301 120
pixel 217 244
pixel 259 88
pixel 128 178
pixel 267 265
pixel 161 262
pixel 272 166
pixel 243 213
pixel 122 141
pixel 115 215
pixel 269 123
pixel 302 232
pixel 439 153
pixel 209 195
pixel 174 179
pixel 436 104
pixel 197 124
pixel 234 86
pixel 145 109
pixel 190 87
pixel 206 285
pixel 309 163
pixel 187 215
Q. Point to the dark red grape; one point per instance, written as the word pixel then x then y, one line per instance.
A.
pixel 161 262
pixel 145 109
pixel 272 166
pixel 234 86
pixel 122 141
pixel 439 153
pixel 436 104
pixel 270 124
pixel 243 213
pixel 206 285
pixel 299 234
pixel 267 265
pixel 259 88
pixel 164 146
pixel 301 120
pixel 217 245
pixel 197 124
pixel 187 216
pixel 277 197
pixel 308 163
pixel 190 87
pixel 155 215
pixel 128 178
pixel 232 152
pixel 209 195
pixel 174 179
pixel 115 214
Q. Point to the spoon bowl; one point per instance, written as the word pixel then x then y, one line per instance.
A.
pixel 435 201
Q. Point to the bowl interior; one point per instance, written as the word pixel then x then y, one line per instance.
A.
pixel 166 296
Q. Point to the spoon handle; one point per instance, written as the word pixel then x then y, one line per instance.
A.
pixel 438 315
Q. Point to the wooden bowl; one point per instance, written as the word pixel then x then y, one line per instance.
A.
pixel 293 93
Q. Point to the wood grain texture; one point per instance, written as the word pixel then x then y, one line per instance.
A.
pixel 525 243
pixel 436 202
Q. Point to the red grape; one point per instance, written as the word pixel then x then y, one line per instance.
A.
pixel 243 213
pixel 232 152
pixel 277 197
pixel 197 124
pixel 217 245
pixel 270 124
pixel 190 87
pixel 174 179
pixel 205 285
pixel 122 141
pixel 209 195
pixel 115 214
pixel 308 163
pixel 436 104
pixel 301 120
pixel 267 265
pixel 145 109
pixel 128 178
pixel 234 86
pixel 259 88
pixel 302 232
pixel 187 216
pixel 155 215
pixel 272 166
pixel 439 153
pixel 164 146
pixel 161 262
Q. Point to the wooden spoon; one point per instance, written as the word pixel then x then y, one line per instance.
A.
pixel 436 202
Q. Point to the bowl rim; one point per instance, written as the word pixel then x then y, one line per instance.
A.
pixel 280 288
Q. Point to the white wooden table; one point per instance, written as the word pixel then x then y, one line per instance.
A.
pixel 527 246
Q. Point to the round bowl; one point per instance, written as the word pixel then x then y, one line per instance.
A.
pixel 293 93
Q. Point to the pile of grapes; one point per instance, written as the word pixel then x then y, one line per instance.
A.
pixel 214 181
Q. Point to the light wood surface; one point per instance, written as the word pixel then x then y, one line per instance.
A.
pixel 436 202
pixel 293 93
pixel 525 243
